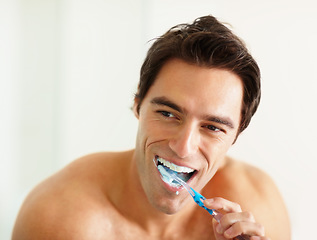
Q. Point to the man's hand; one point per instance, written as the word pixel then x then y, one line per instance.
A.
pixel 234 222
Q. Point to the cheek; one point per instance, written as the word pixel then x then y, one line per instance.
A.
pixel 215 150
pixel 149 129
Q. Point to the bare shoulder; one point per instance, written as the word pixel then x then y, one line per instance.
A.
pixel 72 203
pixel 250 181
pixel 257 193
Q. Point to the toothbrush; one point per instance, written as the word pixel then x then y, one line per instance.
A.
pixel 198 197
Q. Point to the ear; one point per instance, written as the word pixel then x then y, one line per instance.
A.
pixel 135 107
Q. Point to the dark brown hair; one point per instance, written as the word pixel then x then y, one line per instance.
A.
pixel 207 43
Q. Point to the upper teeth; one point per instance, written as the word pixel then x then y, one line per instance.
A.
pixel 175 167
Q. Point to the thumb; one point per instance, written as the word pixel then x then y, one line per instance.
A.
pixel 218 235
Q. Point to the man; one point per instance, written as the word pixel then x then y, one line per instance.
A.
pixel 199 88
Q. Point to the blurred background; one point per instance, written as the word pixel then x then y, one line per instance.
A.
pixel 69 70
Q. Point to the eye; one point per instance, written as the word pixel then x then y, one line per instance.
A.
pixel 166 114
pixel 213 128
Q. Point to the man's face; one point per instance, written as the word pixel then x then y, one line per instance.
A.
pixel 187 121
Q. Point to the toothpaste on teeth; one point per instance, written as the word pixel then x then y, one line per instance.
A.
pixel 165 175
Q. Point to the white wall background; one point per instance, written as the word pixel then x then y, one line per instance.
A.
pixel 69 69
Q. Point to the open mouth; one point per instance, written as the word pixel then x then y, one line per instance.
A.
pixel 185 173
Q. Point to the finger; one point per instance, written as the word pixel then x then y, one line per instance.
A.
pixel 245 228
pixel 218 236
pixel 259 238
pixel 230 218
pixel 222 204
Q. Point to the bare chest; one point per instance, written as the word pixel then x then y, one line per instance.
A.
pixel 121 228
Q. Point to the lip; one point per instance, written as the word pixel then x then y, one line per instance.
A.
pixel 169 187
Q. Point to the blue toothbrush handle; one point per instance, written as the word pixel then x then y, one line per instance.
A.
pixel 198 197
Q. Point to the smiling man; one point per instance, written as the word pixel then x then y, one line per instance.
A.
pixel 199 88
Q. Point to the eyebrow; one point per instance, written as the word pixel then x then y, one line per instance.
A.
pixel 166 102
pixel 221 120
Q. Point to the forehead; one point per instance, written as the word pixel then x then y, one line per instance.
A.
pixel 198 89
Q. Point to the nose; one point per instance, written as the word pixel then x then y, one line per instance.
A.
pixel 185 142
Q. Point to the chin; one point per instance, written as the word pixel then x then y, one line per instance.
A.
pixel 169 210
pixel 167 206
